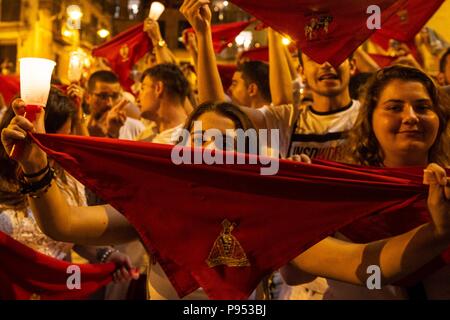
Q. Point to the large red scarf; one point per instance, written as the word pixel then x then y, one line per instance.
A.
pixel 326 30
pixel 408 21
pixel 27 274
pixel 178 211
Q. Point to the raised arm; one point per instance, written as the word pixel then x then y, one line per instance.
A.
pixel 83 225
pixel 162 52
pixel 280 76
pixel 397 257
pixel 364 62
pixel 198 14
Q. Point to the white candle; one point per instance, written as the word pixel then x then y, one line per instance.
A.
pixel 75 67
pixel 156 10
pixel 35 77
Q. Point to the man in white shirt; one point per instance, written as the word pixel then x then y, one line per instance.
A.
pixel 107 108
pixel 250 85
pixel 164 89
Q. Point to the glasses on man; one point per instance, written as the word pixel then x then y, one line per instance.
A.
pixel 106 96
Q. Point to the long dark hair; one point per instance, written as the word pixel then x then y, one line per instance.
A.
pixel 58 110
pixel 362 147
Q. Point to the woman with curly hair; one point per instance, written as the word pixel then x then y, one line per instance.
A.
pixel 403 122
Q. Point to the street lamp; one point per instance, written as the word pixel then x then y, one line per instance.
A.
pixel 74 13
pixel 244 39
pixel 103 33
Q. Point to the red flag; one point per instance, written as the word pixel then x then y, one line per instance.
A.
pixel 408 20
pixel 225 33
pixel 382 60
pixel 326 30
pixel 261 54
pixel 26 274
pixel 123 51
pixel 183 216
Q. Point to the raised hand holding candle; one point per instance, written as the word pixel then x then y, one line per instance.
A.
pixel 35 77
pixel 156 10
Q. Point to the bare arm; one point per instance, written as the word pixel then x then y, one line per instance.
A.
pixel 162 52
pixel 99 225
pixel 210 86
pixel 209 83
pixel 191 47
pixel 397 257
pixel 79 126
pixel 364 63
pixel 280 76
pixel 83 225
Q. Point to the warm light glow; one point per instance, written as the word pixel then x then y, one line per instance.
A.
pixel 286 41
pixel 135 8
pixel 244 39
pixel 225 3
pixel 103 33
pixel 75 66
pixel 35 76
pixel 156 10
pixel 67 33
pixel 74 12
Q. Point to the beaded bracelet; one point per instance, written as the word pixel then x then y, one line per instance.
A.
pixel 37 188
pixel 104 254
pixel 37 174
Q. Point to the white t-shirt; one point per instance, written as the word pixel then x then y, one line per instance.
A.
pixel 317 134
pixel 131 129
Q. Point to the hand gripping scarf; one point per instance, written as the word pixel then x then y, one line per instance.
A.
pixel 26 274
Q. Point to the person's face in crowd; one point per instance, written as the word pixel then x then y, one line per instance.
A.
pixel 103 98
pixel 238 90
pixel 149 96
pixel 444 77
pixel 323 79
pixel 404 121
pixel 212 120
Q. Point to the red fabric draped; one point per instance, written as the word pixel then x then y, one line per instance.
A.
pixel 27 274
pixel 9 87
pixel 408 20
pixel 326 30
pixel 382 60
pixel 123 51
pixel 178 210
pixel 225 33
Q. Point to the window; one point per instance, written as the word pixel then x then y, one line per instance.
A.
pixel 10 10
pixel 133 8
pixel 8 57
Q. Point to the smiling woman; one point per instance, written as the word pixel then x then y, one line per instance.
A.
pixel 403 121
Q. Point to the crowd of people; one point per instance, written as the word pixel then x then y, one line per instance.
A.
pixel 357 113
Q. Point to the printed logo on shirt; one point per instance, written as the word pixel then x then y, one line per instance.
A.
pixel 324 147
